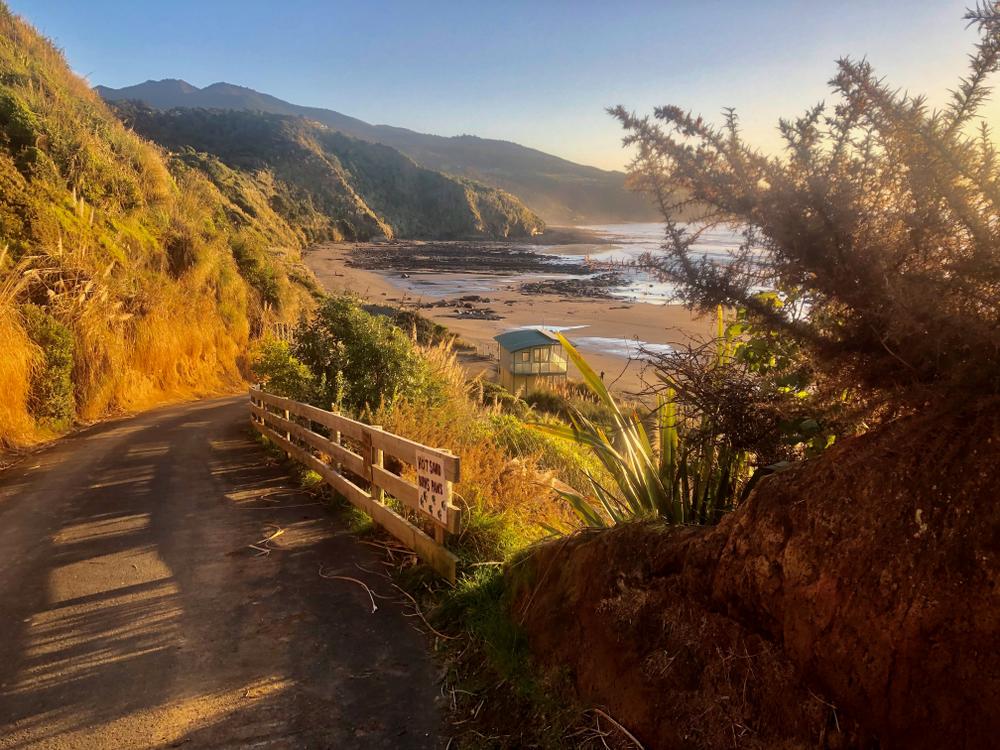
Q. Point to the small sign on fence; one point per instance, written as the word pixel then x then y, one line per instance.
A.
pixel 435 491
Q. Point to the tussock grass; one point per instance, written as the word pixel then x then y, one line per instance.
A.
pixel 136 256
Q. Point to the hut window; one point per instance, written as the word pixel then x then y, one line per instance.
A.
pixel 523 356
pixel 542 354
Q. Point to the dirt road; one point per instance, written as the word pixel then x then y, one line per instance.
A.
pixel 134 614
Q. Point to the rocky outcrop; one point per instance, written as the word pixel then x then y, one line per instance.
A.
pixel 851 598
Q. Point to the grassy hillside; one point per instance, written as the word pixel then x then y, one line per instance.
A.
pixel 333 186
pixel 125 276
pixel 561 191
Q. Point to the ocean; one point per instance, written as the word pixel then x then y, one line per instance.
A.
pixel 631 241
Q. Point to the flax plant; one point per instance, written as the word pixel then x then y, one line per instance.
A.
pixel 681 479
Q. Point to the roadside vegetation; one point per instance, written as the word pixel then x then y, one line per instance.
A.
pixel 522 459
pixel 875 235
pixel 364 365
pixel 127 277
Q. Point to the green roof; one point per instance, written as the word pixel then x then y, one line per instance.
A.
pixel 525 338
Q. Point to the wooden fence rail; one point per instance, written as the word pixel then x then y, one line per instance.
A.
pixel 351 458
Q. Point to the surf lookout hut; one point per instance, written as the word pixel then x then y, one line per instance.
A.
pixel 531 359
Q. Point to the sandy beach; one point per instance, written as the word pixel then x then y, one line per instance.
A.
pixel 606 330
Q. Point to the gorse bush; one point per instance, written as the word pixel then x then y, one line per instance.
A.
pixel 880 219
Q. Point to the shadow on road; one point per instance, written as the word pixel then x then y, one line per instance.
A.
pixel 139 616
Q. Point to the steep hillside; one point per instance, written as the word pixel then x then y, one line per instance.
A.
pixel 124 276
pixel 561 191
pixel 331 185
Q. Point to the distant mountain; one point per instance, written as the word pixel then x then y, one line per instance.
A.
pixel 325 184
pixel 561 191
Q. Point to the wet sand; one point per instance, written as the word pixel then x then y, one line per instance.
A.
pixel 604 323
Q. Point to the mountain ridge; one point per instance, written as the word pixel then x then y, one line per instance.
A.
pixel 327 184
pixel 559 190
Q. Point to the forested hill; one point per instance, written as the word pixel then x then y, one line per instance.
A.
pixel 327 184
pixel 561 191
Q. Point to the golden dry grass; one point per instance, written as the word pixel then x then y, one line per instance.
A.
pixel 494 479
pixel 134 260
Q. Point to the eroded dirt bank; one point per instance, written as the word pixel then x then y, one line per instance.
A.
pixel 852 598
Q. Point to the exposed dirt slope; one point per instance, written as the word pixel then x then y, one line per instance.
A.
pixel 865 580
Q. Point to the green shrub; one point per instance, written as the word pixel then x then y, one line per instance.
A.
pixel 258 270
pixel 277 369
pixel 51 396
pixel 18 124
pixel 360 360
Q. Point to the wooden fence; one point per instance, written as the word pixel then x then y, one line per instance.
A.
pixel 353 458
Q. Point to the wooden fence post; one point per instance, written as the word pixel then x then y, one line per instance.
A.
pixel 439 534
pixel 378 459
pixel 336 438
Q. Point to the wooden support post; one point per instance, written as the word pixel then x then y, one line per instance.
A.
pixel 288 435
pixel 372 455
pixel 336 439
pixel 378 459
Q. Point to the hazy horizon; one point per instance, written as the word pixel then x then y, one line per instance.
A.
pixel 540 77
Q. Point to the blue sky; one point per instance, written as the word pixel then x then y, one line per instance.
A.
pixel 539 73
